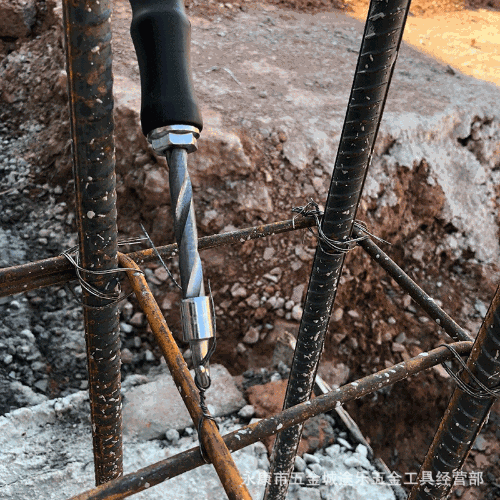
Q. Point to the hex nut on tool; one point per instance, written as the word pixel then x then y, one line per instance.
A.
pixel 175 136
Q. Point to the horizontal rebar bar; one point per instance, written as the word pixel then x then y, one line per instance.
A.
pixel 209 433
pixel 58 271
pixel 455 331
pixel 236 440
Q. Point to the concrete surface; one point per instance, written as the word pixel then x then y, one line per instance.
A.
pixel 151 409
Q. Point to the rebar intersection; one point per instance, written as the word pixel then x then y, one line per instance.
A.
pixel 156 473
pixel 448 449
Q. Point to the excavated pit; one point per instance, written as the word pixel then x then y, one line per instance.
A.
pixel 273 110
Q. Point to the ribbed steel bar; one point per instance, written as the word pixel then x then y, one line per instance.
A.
pixel 88 45
pixel 426 302
pixel 57 270
pixel 465 414
pixel 377 56
pixel 209 434
pixel 191 459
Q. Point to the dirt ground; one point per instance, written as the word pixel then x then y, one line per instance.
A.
pixel 464 35
pixel 356 340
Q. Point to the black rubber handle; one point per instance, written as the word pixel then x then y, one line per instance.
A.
pixel 161 32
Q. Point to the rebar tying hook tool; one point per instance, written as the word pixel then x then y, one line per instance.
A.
pixel 171 120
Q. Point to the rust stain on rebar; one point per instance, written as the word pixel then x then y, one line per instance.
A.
pixel 215 447
pixel 57 270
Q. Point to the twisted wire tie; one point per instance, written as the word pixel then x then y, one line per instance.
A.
pixel 312 210
pixel 482 393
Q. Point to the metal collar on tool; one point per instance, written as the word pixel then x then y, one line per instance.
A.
pixel 164 139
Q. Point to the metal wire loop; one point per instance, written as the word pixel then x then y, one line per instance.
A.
pixel 485 393
pixel 312 210
pixel 114 297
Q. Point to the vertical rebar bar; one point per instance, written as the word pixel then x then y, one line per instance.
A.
pixel 88 47
pixel 379 48
pixel 465 414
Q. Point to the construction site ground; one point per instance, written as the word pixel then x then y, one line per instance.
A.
pixel 273 80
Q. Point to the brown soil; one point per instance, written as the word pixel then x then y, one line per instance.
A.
pixel 421 8
pixel 463 34
pixel 211 7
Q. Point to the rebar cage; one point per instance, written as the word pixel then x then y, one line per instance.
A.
pixel 86 26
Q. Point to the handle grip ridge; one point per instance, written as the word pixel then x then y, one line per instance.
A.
pixel 161 33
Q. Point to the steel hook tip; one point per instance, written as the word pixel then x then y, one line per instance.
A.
pixel 202 377
pixel 200 350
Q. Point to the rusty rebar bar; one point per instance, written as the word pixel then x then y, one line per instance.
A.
pixel 446 322
pixel 465 414
pixel 88 48
pixel 183 462
pixel 58 271
pixel 209 434
pixel 376 61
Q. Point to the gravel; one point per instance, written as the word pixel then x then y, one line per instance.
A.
pixel 248 411
pixel 300 464
pixel 172 435
pixel 42 341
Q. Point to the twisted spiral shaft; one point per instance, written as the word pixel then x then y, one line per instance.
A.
pixel 186 234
